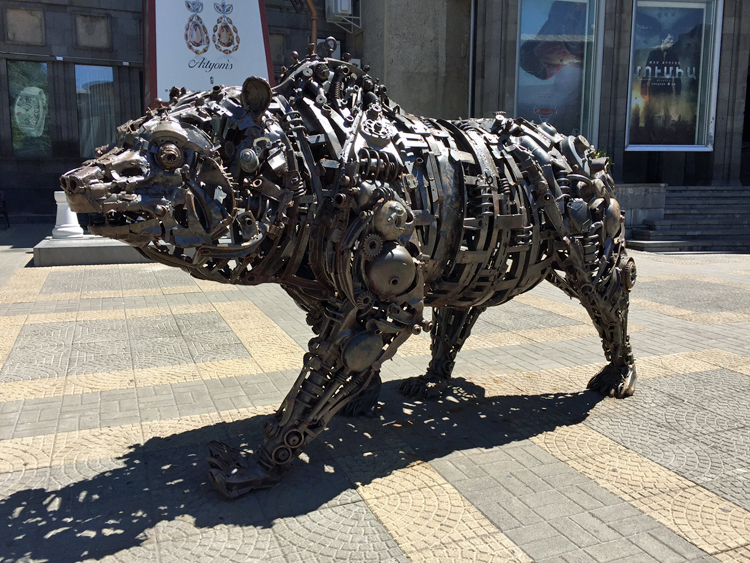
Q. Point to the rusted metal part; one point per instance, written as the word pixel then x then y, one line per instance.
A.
pixel 313 24
pixel 364 214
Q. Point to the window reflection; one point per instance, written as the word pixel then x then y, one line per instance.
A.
pixel 556 64
pixel 96 107
pixel 28 91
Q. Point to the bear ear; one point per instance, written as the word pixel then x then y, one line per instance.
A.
pixel 256 95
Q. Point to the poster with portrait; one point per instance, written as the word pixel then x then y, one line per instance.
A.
pixel 555 56
pixel 668 74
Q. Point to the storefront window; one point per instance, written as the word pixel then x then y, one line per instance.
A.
pixel 673 75
pixel 96 107
pixel 27 87
pixel 558 65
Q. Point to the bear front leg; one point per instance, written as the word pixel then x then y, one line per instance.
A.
pixel 341 368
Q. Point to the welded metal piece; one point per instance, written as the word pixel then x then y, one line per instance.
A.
pixel 364 214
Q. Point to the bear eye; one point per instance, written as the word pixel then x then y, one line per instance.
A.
pixel 169 156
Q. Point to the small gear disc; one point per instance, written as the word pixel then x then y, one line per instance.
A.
pixel 372 246
pixel 364 300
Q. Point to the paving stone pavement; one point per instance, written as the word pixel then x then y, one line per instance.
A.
pixel 112 379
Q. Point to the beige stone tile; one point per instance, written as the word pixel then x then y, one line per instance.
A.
pixel 66 296
pixel 724 317
pixel 180 289
pixel 234 415
pixel 663 277
pixel 147 312
pixel 24 454
pixel 207 285
pixel 701 517
pixel 125 379
pixel 415 346
pixel 142 292
pixel 100 443
pixel 672 364
pixel 166 375
pixel 694 513
pixel 739 555
pixel 628 475
pixel 228 368
pixel 492 548
pixel 24 285
pixel 556 380
pixel 33 389
pixel 660 308
pixel 718 358
pixel 426 515
pixel 575 312
pixel 104 315
pixel 169 427
pixel 569 443
pixel 11 327
pixel 64 448
pixel 269 345
pixel 51 318
pixel 96 382
pixel 196 308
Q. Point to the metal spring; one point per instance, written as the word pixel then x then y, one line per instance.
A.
pixel 505 187
pixel 480 202
pixel 590 245
pixel 337 93
pixel 294 123
pixel 376 165
pixel 563 181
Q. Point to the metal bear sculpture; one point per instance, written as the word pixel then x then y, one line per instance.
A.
pixel 364 214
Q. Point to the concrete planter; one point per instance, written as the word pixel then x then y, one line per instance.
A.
pixel 641 202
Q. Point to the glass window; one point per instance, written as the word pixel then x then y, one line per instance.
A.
pixel 96 107
pixel 673 75
pixel 558 64
pixel 27 87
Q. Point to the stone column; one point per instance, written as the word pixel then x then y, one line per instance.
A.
pixel 66 223
pixel 420 51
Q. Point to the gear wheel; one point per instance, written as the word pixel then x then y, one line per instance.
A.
pixel 364 300
pixel 372 246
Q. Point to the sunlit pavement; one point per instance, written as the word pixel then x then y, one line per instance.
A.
pixel 113 378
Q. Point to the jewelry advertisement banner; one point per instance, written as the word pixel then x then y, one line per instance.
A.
pixel 203 43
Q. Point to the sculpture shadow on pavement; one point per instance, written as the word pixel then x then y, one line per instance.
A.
pixel 164 479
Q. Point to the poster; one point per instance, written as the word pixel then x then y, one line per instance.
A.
pixel 29 107
pixel 198 44
pixel 555 57
pixel 669 82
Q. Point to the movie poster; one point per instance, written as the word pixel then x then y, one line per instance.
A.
pixel 554 58
pixel 667 82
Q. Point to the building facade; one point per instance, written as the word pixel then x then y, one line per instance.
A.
pixel 69 73
pixel 660 86
pixel 72 70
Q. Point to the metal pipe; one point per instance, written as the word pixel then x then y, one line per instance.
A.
pixel 472 41
pixel 313 24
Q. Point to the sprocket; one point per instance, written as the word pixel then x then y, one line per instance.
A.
pixel 372 246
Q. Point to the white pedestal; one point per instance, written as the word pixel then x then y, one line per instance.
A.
pixel 66 223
